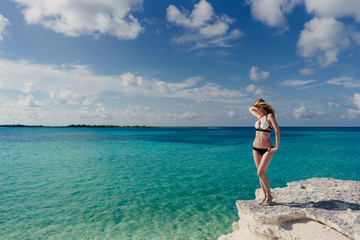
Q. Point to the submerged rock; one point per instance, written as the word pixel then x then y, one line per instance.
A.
pixel 316 209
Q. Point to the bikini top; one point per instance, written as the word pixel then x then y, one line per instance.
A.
pixel 264 126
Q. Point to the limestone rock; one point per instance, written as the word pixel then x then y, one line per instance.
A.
pixel 314 209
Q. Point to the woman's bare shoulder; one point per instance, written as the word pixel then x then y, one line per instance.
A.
pixel 272 116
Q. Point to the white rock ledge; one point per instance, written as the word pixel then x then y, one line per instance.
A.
pixel 316 209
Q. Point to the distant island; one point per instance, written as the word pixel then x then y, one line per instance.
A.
pixel 79 126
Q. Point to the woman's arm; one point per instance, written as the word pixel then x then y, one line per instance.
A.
pixel 277 132
pixel 252 110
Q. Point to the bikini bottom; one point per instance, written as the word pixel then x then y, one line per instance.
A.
pixel 262 151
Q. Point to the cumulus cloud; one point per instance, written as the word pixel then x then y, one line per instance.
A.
pixel 29 102
pixel 334 8
pixel 89 101
pixel 100 111
pixel 295 83
pixel 30 87
pixel 255 90
pixel 257 75
pixel 3 24
pixel 203 26
pixel 300 112
pixel 347 82
pixel 355 111
pixel 356 100
pixel 272 13
pixel 75 18
pixel 323 39
pixel 325 36
pixel 65 96
pixel 202 13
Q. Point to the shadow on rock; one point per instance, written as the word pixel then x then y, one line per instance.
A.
pixel 334 205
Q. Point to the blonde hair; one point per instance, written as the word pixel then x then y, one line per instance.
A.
pixel 262 103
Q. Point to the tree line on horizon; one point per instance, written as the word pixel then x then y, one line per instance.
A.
pixel 78 126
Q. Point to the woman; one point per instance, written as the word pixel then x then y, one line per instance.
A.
pixel 263 149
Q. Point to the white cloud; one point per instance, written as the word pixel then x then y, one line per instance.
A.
pixel 306 71
pixel 272 12
pixel 355 111
pixel 356 37
pixel 323 39
pixel 103 112
pixel 202 13
pixel 100 112
pixel 77 84
pixel 356 100
pixel 300 112
pixel 3 24
pixel 219 28
pixel 75 18
pixel 334 8
pixel 203 26
pixel 255 90
pixel 29 102
pixel 295 83
pixel 332 104
pixel 135 85
pixel 70 94
pixel 65 96
pixel 188 116
pixel 347 82
pixel 256 76
pixel 89 101
pixel 233 115
pixel 30 87
pixel 210 93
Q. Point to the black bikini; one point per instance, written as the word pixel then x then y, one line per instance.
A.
pixel 262 151
pixel 263 127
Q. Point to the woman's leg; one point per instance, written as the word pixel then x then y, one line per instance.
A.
pixel 264 163
pixel 257 160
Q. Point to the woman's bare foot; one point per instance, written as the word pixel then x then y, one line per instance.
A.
pixel 267 201
pixel 261 201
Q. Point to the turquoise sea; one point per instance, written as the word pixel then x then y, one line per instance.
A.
pixel 150 183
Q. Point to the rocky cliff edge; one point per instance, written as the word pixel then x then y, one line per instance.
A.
pixel 316 209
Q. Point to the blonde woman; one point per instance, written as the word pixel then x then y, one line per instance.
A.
pixel 263 149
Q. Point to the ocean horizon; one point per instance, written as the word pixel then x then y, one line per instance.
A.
pixel 151 183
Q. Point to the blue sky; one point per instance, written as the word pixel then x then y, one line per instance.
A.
pixel 179 63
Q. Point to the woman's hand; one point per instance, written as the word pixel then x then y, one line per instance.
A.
pixel 272 150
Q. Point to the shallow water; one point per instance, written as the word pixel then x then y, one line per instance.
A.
pixel 150 183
